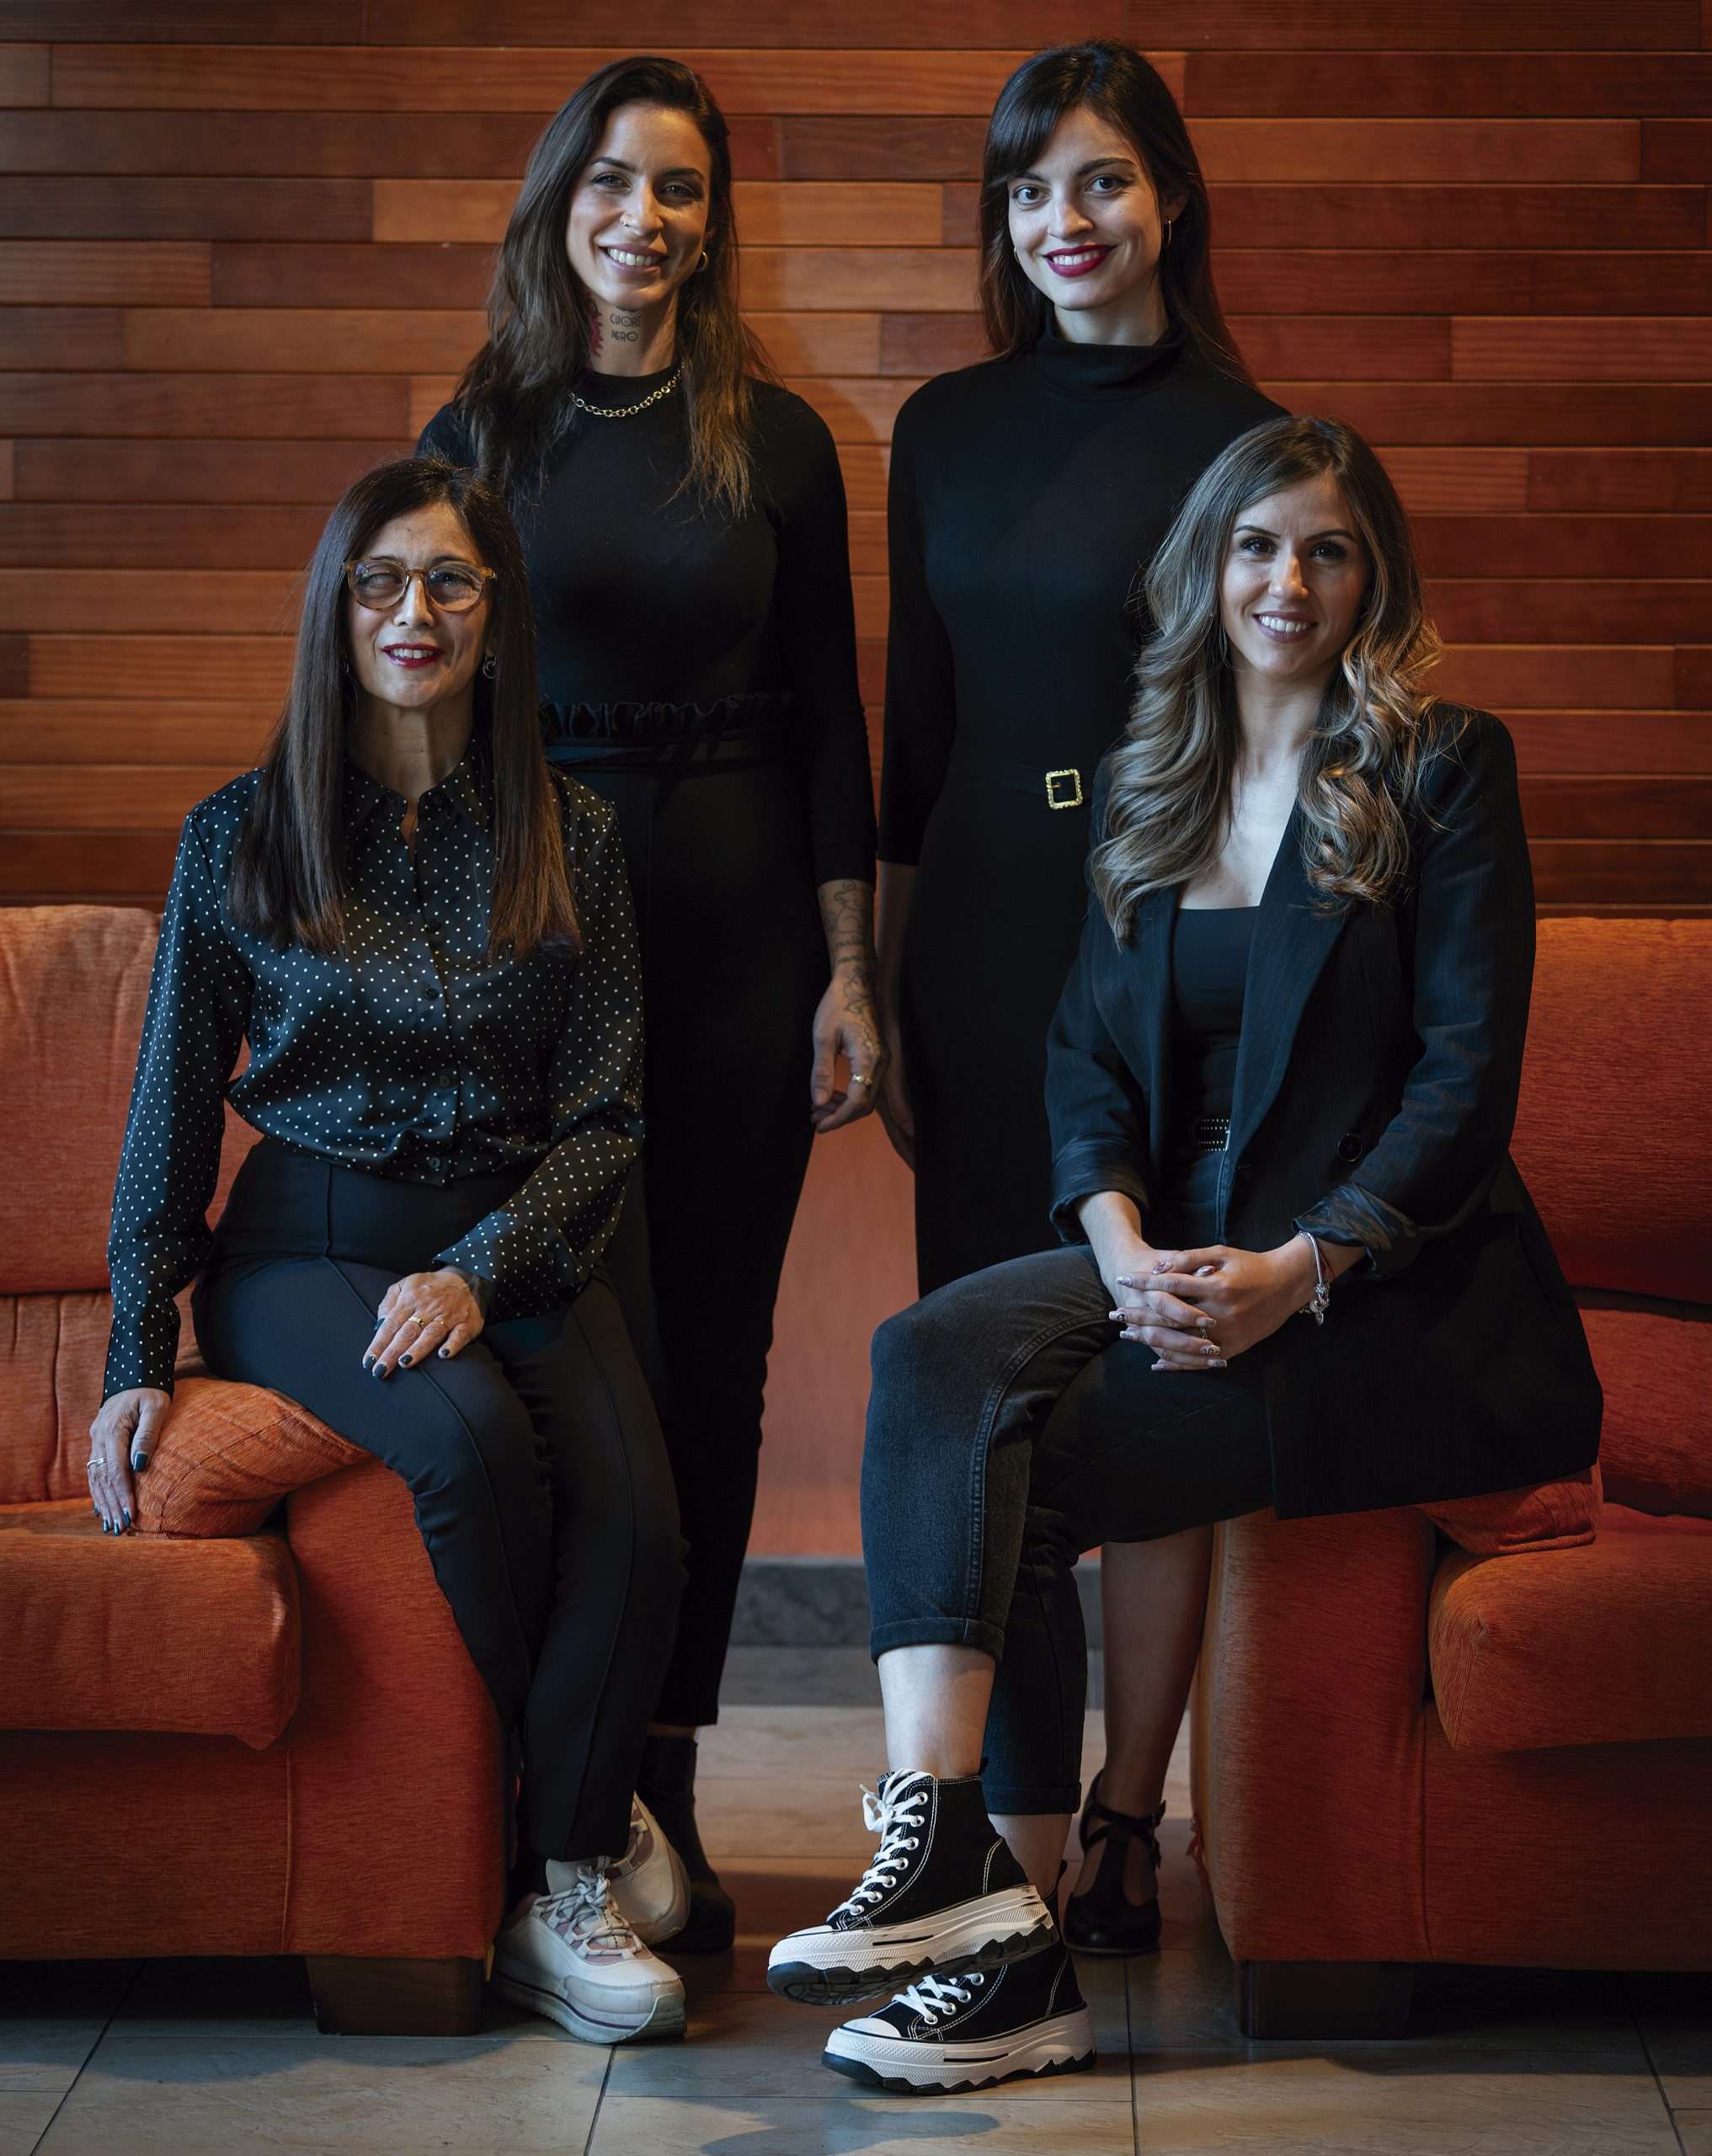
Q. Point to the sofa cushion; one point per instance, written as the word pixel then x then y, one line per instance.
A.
pixel 1598 1645
pixel 141 1633
pixel 1550 1516
pixel 1655 1447
pixel 228 1454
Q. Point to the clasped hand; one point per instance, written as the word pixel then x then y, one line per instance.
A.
pixel 1198 1308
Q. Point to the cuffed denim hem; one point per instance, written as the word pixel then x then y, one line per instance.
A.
pixel 942 1633
pixel 1009 1800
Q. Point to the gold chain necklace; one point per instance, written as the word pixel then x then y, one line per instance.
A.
pixel 627 411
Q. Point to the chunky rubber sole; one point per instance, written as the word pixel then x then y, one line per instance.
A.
pixel 823 1967
pixel 666 2019
pixel 1063 2045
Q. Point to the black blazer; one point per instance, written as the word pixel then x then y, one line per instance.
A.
pixel 1376 1084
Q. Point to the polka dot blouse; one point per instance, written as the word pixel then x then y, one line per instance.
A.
pixel 409 1053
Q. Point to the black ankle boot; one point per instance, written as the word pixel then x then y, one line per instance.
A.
pixel 665 1782
pixel 1104 1920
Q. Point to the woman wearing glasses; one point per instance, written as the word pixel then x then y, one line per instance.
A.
pixel 683 516
pixel 425 937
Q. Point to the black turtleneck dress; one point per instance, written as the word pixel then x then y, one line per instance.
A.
pixel 699 670
pixel 1028 495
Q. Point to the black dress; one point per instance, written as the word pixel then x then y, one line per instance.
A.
pixel 1028 495
pixel 699 670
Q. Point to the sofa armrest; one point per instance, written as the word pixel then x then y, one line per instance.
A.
pixel 398 1767
pixel 1309 1734
pixel 227 1456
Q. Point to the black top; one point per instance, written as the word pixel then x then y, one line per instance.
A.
pixel 409 1053
pixel 1028 495
pixel 646 597
pixel 1375 1090
pixel 1209 968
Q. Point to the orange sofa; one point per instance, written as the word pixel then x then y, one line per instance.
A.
pixel 272 1743
pixel 1404 1753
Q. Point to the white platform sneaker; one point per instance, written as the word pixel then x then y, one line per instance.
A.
pixel 648 1881
pixel 572 1954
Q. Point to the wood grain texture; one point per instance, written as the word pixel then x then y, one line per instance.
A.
pixel 113 796
pixel 1639 480
pixel 1563 676
pixel 1477 25
pixel 104 272
pixel 199 668
pixel 24 75
pixel 215 471
pixel 791 22
pixel 110 867
pixel 1463 281
pixel 258 405
pixel 1517 85
pixel 303 145
pixel 1497 610
pixel 1656 741
pixel 70 732
pixel 62 337
pixel 186 209
pixel 284 340
pixel 1659 348
pixel 1507 151
pixel 1561 414
pixel 1570 546
pixel 135 535
pixel 67 600
pixel 351 275
pixel 171 22
pixel 1676 149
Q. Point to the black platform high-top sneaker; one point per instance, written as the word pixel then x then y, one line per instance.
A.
pixel 943 1893
pixel 947 2035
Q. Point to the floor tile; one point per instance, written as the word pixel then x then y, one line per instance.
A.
pixel 340 2096
pixel 215 1999
pixel 23 2117
pixel 1694 2130
pixel 842 2123
pixel 1674 2008
pixel 51 2015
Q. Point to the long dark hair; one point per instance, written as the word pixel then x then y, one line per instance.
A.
pixel 1113 81
pixel 514 394
pixel 288 875
pixel 1169 804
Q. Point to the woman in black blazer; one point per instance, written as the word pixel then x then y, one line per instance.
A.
pixel 1287 1057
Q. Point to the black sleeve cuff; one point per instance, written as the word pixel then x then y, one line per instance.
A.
pixel 1084 1166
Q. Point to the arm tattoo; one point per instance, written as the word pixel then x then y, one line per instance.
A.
pixel 847 916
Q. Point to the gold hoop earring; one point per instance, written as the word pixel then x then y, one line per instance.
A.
pixel 701 265
pixel 490 665
pixel 1170 222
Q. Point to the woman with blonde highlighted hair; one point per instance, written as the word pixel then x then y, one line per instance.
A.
pixel 1282 1080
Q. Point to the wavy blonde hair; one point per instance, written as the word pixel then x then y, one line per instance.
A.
pixel 1168 781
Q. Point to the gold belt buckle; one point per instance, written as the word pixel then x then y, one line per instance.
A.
pixel 1074 800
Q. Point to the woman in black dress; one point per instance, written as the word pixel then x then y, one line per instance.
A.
pixel 683 516
pixel 1028 495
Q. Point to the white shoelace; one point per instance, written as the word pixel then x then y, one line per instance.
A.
pixel 889 1816
pixel 585 1916
pixel 931 1996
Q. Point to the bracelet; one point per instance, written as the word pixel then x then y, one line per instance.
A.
pixel 1319 1301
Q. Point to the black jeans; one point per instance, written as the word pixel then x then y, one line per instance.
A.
pixel 543 1489
pixel 1009 1430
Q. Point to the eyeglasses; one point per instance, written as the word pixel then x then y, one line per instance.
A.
pixel 450 587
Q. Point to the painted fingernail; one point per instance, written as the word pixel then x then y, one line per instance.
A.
pixel 368 1362
pixel 403 1361
pixel 1219 1364
pixel 140 1462
pixel 106 1524
pixel 127 1518
pixel 380 1371
pixel 445 1354
pixel 1161 1266
pixel 1126 1279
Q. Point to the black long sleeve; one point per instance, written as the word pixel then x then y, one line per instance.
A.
pixel 921 677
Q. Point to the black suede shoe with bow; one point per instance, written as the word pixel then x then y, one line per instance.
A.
pixel 1104 1920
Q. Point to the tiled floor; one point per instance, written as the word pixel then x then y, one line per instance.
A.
pixel 104 2060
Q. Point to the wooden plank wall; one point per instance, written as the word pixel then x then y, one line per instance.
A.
pixel 243 250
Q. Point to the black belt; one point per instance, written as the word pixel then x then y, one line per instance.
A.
pixel 1208 1134
pixel 1061 788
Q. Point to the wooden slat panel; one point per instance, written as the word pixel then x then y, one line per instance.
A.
pixel 115 797
pixel 102 731
pixel 283 341
pixel 257 406
pixel 1676 149
pixel 856 146
pixel 137 536
pixel 1658 348
pixel 930 344
pixel 1505 151
pixel 1675 807
pixel 316 471
pixel 1373 86
pixel 1693 675
pixel 14 666
pixel 1561 677
pixel 314 144
pixel 1628 479
pixel 856 410
pixel 820 344
pixel 1480 26
pixel 61 337
pixel 1597 871
pixel 186 209
pixel 8 470
pixel 1571 546
pixel 1371 280
pixel 1489 610
pixel 422 78
pixel 351 275
pixel 23 74
pixel 1351 348
pixel 1505 412
pixel 63 601
pixel 1459 479
pixel 1612 741
pixel 256 21
pixel 864 470
pixel 870 594
pixel 769 214
pixel 65 273
pixel 1382 215
pixel 200 670
pixel 867 544
pixel 428 393
pixel 798 22
pixel 113 866
pixel 926 279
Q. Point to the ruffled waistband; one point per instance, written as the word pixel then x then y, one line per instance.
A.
pixel 762 712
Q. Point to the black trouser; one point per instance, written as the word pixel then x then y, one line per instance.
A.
pixel 543 1489
pixel 1009 1430
pixel 716 837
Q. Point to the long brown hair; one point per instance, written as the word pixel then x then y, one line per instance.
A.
pixel 1115 82
pixel 288 875
pixel 1171 779
pixel 514 396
